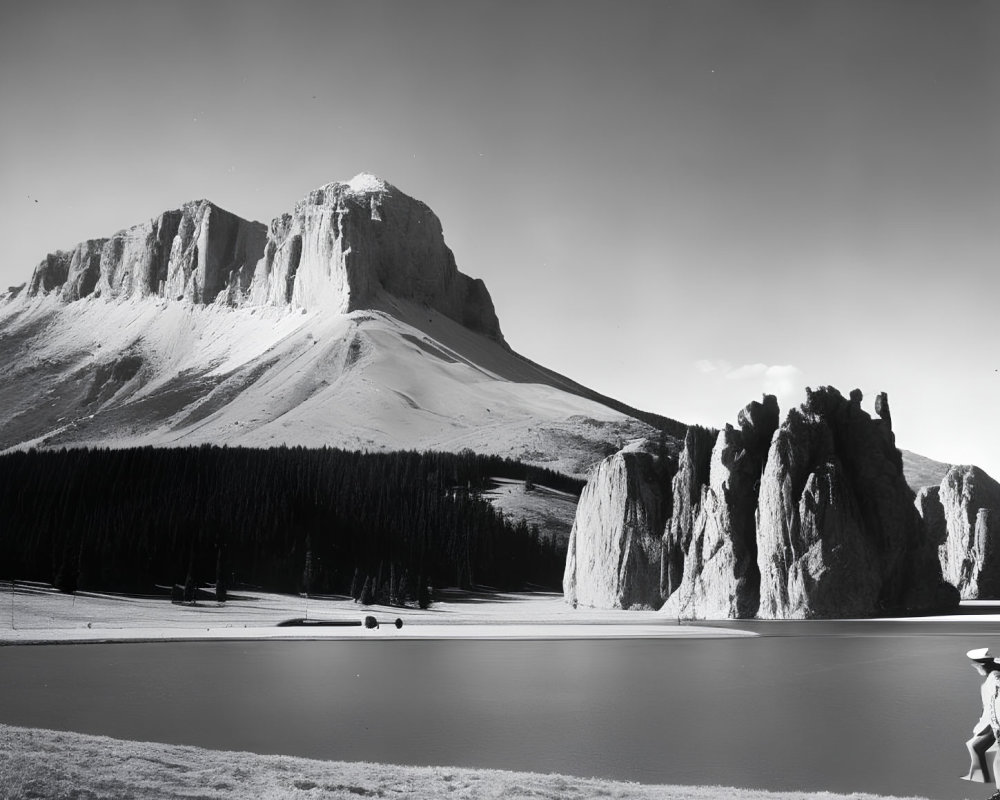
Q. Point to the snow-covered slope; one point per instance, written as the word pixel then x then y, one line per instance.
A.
pixel 168 373
pixel 348 324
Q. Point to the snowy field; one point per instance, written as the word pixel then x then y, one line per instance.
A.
pixel 48 764
pixel 38 613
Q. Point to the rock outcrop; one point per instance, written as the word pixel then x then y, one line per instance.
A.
pixel 720 577
pixel 837 532
pixel 191 253
pixel 963 516
pixel 84 269
pixel 50 273
pixel 347 242
pixel 613 560
pixel 687 489
pixel 810 519
pixel 341 249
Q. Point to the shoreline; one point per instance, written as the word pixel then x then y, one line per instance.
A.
pixel 416 632
pixel 39 614
pixel 45 765
pixel 36 614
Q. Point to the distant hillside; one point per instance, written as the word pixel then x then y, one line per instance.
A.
pixel 921 471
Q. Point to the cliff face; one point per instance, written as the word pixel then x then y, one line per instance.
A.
pixel 614 552
pixel 341 249
pixel 963 516
pixel 50 273
pixel 837 532
pixel 810 519
pixel 686 488
pixel 720 577
pixel 347 242
pixel 190 253
pixel 84 269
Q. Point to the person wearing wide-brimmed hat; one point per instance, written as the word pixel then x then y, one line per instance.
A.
pixel 987 729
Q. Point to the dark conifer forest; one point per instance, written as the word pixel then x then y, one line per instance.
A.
pixel 383 527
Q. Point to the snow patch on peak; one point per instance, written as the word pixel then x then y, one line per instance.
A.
pixel 365 183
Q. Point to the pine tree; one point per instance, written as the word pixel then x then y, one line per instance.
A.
pixel 367 593
pixel 307 570
pixel 423 593
pixel 189 585
pixel 220 575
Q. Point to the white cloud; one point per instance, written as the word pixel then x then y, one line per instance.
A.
pixel 782 380
pixel 747 371
pixel 706 366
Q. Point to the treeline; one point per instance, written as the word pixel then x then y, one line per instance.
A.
pixel 383 527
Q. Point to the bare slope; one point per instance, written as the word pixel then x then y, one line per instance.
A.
pixel 551 510
pixel 921 471
pixel 150 371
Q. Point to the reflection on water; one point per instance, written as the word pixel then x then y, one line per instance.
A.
pixel 876 707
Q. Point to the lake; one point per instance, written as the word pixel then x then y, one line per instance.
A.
pixel 877 707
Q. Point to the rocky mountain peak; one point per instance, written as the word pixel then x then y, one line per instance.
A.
pixel 343 247
pixel 364 189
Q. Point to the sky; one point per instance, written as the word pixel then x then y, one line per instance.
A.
pixel 680 204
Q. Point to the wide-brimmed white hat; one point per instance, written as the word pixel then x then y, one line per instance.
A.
pixel 980 654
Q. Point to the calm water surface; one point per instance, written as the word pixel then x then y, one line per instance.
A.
pixel 878 707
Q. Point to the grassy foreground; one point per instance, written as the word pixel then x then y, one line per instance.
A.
pixel 44 764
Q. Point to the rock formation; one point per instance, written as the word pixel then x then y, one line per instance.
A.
pixel 614 552
pixel 84 269
pixel 50 273
pixel 720 577
pixel 346 242
pixel 341 249
pixel 810 519
pixel 963 516
pixel 686 488
pixel 190 253
pixel 837 533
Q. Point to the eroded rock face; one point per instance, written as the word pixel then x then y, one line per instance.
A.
pixel 341 249
pixel 963 517
pixel 347 242
pixel 50 273
pixel 837 531
pixel 191 253
pixel 687 489
pixel 810 519
pixel 84 269
pixel 720 576
pixel 613 559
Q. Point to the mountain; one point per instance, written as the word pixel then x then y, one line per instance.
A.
pixel 344 323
